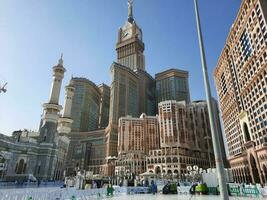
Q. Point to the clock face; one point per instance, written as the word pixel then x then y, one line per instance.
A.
pixel 126 34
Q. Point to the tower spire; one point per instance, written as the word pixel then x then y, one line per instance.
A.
pixel 60 61
pixel 130 11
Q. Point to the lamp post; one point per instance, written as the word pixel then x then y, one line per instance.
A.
pixel 208 143
pixel 215 139
pixel 194 172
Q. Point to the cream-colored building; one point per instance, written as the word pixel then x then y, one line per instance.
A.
pixel 136 137
pixel 184 138
pixel 138 134
pixel 241 81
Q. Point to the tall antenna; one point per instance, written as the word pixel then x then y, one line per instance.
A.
pixel 130 11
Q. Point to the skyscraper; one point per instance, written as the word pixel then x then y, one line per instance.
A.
pixel 86 105
pixel 130 46
pixel 132 90
pixel 241 83
pixel 172 84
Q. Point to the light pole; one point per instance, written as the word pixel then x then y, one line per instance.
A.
pixel 208 143
pixel 215 139
pixel 195 173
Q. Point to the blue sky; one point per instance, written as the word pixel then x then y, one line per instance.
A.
pixel 33 33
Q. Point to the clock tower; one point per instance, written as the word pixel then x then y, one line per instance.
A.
pixel 130 46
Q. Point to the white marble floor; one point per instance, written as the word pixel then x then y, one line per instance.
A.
pixel 174 197
pixel 54 193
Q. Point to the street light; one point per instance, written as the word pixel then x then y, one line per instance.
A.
pixel 194 172
pixel 208 138
pixel 215 139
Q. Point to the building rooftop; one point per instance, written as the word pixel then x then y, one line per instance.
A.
pixel 172 72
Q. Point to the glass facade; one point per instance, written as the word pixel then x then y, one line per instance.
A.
pixel 133 96
pixel 104 105
pixel 124 93
pixel 85 105
pixel 172 87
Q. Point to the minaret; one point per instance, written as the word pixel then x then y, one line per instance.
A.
pixel 64 122
pixel 51 110
pixel 57 81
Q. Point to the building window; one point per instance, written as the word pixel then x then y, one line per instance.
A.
pixel 246 132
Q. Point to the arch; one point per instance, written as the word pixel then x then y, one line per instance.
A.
pixel 265 172
pixel 249 179
pixel 254 169
pixel 169 172
pixel 246 132
pixel 157 170
pixel 20 167
pixel 2 159
pixel 150 171
pixel 24 168
pixel 2 163
pixel 168 160
pixel 175 160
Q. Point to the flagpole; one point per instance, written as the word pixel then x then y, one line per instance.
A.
pixel 215 139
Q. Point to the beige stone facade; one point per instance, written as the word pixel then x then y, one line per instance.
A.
pixel 184 138
pixel 241 81
pixel 137 136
